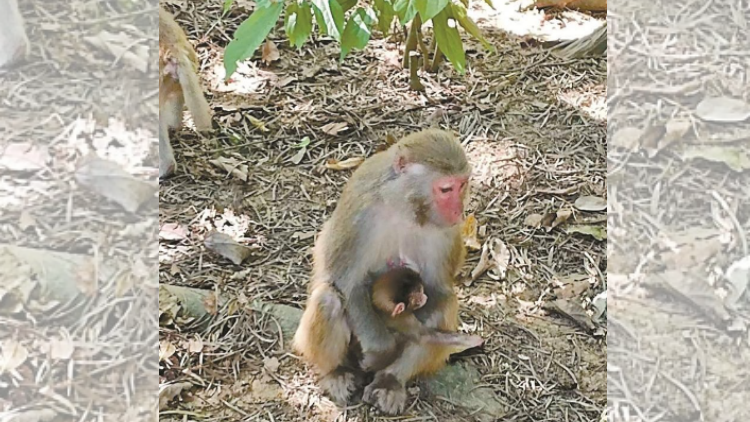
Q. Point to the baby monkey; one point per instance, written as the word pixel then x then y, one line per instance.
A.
pixel 396 294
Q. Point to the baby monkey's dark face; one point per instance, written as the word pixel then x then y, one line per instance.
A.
pixel 411 295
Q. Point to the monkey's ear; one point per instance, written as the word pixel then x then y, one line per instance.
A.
pixel 398 309
pixel 399 164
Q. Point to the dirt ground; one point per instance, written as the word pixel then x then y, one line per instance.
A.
pixel 679 217
pixel 73 96
pixel 534 128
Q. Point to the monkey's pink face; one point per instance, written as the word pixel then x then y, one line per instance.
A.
pixel 448 194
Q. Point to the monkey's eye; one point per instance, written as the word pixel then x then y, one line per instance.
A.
pixel 446 190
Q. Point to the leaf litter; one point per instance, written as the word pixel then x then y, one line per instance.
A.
pixel 323 119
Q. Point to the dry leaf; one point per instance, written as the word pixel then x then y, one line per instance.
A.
pixel 195 345
pixel 61 349
pixel 227 247
pixel 690 290
pixel 259 124
pixel 469 232
pixel 269 53
pixel 297 158
pixel 168 392
pixel 533 220
pixel 561 216
pixel 26 220
pixel 109 180
pixel 211 303
pixel 628 138
pixel 23 156
pixel 347 164
pixel 483 265
pixel 122 46
pixel 738 275
pixel 14 355
pixel 734 157
pixel 651 138
pixel 86 279
pixel 232 166
pixel 501 256
pixel 334 128
pixel 172 232
pixel 271 364
pixel 597 232
pixel 723 109
pixel 166 350
pixel 591 203
pixel 572 285
pixel 676 130
pixel 572 310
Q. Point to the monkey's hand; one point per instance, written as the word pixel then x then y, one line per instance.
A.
pixel 386 393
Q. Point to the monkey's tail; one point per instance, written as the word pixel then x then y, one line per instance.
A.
pixel 194 98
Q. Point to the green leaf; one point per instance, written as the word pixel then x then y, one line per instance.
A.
pixel 490 4
pixel 303 143
pixel 597 232
pixel 428 9
pixel 226 7
pixel 462 16
pixel 330 17
pixel 405 10
pixel 385 11
pixel 449 41
pixel 357 32
pixel 347 4
pixel 250 35
pixel 298 23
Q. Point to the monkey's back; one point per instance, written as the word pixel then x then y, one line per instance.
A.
pixel 173 43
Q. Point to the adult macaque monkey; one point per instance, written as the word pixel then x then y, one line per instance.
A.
pixel 14 44
pixel 178 85
pixel 405 202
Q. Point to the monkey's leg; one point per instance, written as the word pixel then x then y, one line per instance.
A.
pixel 171 103
pixel 14 44
pixel 322 339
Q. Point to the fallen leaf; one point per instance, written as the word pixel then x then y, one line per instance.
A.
pixel 651 138
pixel 303 143
pixel 166 350
pixel 501 256
pixel 232 166
pixel 599 303
pixel 562 215
pixel 572 285
pixel 22 156
pixel 271 364
pixel 469 232
pixel 172 232
pixel 690 290
pixel 168 392
pixel 572 310
pixel 227 247
pixel 211 303
pixel 86 278
pixel 263 391
pixel 548 220
pixel 347 164
pixel 109 180
pixel 41 415
pixel 269 53
pixel 14 355
pixel 482 266
pixel 26 220
pixel 533 220
pixel 124 47
pixel 297 158
pixel 676 130
pixel 738 275
pixel 628 138
pixel 61 349
pixel 723 109
pixel 591 203
pixel 597 232
pixel 734 157
pixel 334 128
pixel 195 345
pixel 259 124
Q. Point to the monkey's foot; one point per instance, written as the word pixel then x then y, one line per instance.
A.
pixel 166 169
pixel 386 393
pixel 339 385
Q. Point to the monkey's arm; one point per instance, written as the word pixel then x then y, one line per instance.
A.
pixel 366 324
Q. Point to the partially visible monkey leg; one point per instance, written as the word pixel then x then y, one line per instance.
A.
pixel 14 44
pixel 323 338
pixel 171 102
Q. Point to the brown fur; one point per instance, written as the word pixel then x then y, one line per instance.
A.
pixel 358 239
pixel 178 85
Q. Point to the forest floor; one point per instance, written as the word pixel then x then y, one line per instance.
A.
pixel 678 213
pixel 534 128
pixel 79 214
